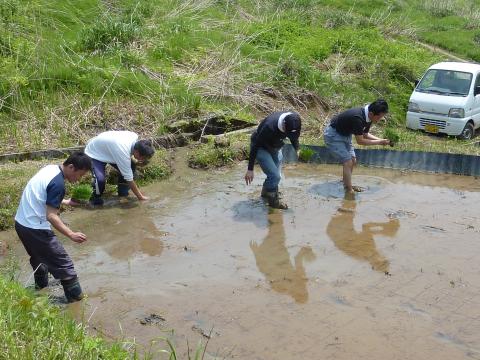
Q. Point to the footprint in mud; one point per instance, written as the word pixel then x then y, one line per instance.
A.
pixel 152 319
pixel 339 300
pixel 401 214
pixel 372 188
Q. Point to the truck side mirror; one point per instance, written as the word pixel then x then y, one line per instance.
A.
pixel 476 91
pixel 416 82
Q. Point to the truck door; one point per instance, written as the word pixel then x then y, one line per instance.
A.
pixel 476 103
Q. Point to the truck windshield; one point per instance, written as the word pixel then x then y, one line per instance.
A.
pixel 446 82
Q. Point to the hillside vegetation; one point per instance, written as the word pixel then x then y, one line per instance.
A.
pixel 71 69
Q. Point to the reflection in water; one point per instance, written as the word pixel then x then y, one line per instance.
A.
pixel 273 260
pixel 129 235
pixel 360 245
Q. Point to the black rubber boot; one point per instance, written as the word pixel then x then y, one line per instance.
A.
pixel 72 289
pixel 41 277
pixel 274 201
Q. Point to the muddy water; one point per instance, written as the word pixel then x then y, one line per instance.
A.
pixel 393 274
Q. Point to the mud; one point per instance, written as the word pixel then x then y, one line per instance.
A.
pixel 370 278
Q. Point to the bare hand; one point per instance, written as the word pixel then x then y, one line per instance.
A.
pixel 249 177
pixel 143 198
pixel 69 202
pixel 78 237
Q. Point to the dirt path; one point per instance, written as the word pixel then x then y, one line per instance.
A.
pixel 438 50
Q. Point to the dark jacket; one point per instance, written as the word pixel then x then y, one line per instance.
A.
pixel 269 137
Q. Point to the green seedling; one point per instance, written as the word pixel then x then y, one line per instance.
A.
pixel 305 154
pixel 391 135
pixel 82 192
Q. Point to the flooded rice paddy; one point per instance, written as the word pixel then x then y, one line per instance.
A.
pixel 393 274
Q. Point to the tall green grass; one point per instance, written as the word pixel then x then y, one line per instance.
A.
pixel 68 64
pixel 31 328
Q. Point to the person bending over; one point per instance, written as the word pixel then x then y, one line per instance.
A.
pixel 265 146
pixel 355 121
pixel 117 148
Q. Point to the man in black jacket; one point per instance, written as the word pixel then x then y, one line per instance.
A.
pixel 265 146
pixel 356 121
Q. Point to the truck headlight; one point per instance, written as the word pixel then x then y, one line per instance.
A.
pixel 413 107
pixel 456 113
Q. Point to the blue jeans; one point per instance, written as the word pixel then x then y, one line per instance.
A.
pixel 271 164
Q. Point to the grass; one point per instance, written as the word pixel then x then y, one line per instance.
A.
pixel 72 70
pixel 214 155
pixel 158 168
pixel 31 328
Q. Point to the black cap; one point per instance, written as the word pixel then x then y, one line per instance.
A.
pixel 293 123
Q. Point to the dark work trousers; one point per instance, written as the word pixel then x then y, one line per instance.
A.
pixel 44 248
pixel 98 172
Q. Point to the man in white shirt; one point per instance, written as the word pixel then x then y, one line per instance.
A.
pixel 116 148
pixel 38 209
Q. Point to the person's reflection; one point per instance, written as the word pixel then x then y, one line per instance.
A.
pixel 360 245
pixel 273 260
pixel 127 236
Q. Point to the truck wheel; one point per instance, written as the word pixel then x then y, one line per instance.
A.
pixel 467 132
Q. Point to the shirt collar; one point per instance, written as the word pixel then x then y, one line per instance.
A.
pixel 281 122
pixel 366 113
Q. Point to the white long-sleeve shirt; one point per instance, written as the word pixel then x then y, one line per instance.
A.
pixel 114 147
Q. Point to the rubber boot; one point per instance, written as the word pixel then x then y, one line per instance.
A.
pixel 264 192
pixel 274 201
pixel 72 289
pixel 41 277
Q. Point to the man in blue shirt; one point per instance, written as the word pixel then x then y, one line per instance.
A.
pixel 38 209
